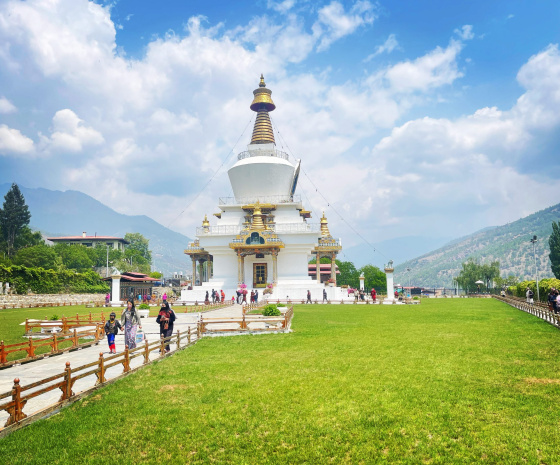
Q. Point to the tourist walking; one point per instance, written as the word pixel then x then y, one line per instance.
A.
pixel 223 295
pixel 373 294
pixel 252 297
pixel 244 293
pixel 112 326
pixel 107 299
pixel 165 319
pixel 324 295
pixel 529 296
pixel 238 292
pixel 206 299
pixel 257 296
pixel 308 297
pixel 130 320
pixel 164 297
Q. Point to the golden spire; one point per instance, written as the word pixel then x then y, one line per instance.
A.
pixel 324 227
pixel 262 104
pixel 257 219
pixel 205 222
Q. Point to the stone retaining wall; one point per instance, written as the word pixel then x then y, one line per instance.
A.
pixel 50 300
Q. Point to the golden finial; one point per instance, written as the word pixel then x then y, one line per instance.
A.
pixel 324 226
pixel 257 218
pixel 262 104
pixel 205 222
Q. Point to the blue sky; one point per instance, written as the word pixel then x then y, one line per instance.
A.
pixel 430 118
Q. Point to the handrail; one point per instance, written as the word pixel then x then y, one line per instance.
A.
pixel 243 323
pixel 53 342
pixel 20 395
pixel 538 309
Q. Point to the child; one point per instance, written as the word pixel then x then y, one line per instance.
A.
pixel 112 327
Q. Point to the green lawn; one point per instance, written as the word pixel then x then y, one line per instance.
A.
pixel 447 381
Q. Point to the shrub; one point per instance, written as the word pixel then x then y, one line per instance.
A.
pixel 271 310
pixel 143 307
pixel 54 317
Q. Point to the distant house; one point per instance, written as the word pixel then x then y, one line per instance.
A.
pixel 134 285
pixel 117 243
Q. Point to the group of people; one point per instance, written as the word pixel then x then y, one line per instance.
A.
pixel 130 324
pixel 217 297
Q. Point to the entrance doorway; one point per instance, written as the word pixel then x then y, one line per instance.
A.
pixel 259 274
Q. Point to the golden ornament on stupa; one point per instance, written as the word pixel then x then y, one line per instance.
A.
pixel 262 104
pixel 324 226
pixel 257 223
pixel 205 222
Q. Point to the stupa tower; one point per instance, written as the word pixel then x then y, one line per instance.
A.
pixel 263 173
pixel 262 237
pixel 262 104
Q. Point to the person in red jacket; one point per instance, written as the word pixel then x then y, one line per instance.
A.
pixel 373 294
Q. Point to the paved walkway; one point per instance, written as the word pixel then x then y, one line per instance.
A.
pixel 55 364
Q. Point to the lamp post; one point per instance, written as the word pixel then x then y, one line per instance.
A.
pixel 409 286
pixel 534 242
pixel 107 260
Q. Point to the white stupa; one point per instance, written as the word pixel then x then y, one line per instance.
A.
pixel 262 237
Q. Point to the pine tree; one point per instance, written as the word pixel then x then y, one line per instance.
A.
pixel 14 217
pixel 554 243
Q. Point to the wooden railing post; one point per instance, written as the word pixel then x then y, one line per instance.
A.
pixel 126 360
pixel 101 373
pixel 31 349
pixel 188 336
pixel 16 410
pixel 146 352
pixel 3 355
pixel 27 329
pixel 161 346
pixel 178 339
pixel 66 386
pixel 64 324
pixel 55 343
pixel 75 338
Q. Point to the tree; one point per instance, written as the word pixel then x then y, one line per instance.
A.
pixel 554 243
pixel 348 274
pixel 473 271
pixel 74 257
pixel 374 277
pixel 14 216
pixel 38 256
pixel 139 246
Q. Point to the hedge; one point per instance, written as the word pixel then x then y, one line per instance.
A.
pixel 544 288
pixel 41 281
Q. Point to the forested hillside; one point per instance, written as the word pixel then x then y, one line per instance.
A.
pixel 510 244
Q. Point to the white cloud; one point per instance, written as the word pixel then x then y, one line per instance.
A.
pixel 435 69
pixel 281 7
pixel 70 134
pixel 6 106
pixel 465 33
pixel 176 112
pixel 338 23
pixel 13 141
pixel 387 47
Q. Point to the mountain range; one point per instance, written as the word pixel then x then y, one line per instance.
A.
pixel 70 213
pixel 509 244
pixel 438 260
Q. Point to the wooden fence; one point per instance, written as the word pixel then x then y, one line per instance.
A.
pixel 15 400
pixel 270 323
pixel 65 324
pixel 19 395
pixel 206 308
pixel 538 309
pixel 54 343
